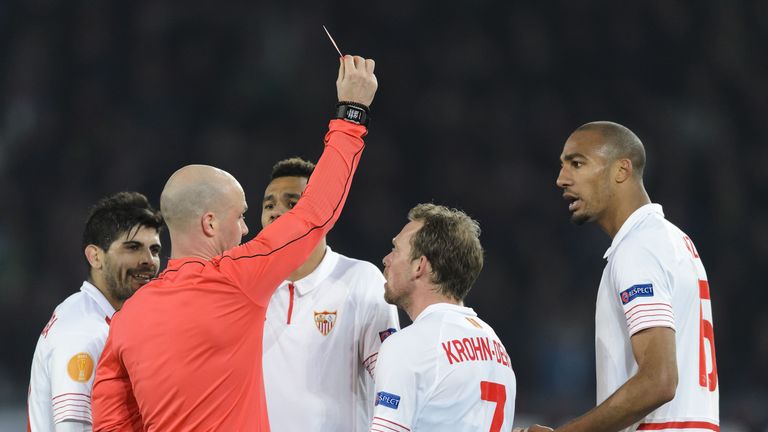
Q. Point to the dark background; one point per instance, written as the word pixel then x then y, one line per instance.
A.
pixel 475 101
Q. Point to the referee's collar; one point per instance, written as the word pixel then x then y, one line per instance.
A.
pixel 632 221
pixel 442 307
pixel 309 282
pixel 98 297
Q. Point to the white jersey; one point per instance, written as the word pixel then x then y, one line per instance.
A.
pixel 654 278
pixel 446 371
pixel 321 340
pixel 64 362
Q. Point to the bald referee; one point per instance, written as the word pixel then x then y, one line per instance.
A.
pixel 185 353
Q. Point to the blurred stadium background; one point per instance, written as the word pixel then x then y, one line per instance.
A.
pixel 476 99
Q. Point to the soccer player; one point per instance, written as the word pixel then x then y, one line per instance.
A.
pixel 324 327
pixel 186 352
pixel 655 344
pixel 448 371
pixel 122 245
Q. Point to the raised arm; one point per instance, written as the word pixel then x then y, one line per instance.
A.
pixel 260 264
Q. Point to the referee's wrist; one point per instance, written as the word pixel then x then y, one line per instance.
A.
pixel 353 112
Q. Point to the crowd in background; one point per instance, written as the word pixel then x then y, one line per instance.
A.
pixel 474 104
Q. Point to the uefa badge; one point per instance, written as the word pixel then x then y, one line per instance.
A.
pixel 324 321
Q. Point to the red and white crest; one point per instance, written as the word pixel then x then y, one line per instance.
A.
pixel 324 321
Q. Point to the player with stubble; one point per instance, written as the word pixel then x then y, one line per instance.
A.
pixel 654 337
pixel 325 324
pixel 185 352
pixel 448 371
pixel 121 245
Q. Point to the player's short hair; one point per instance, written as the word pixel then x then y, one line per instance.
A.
pixel 619 143
pixel 292 167
pixel 450 240
pixel 115 215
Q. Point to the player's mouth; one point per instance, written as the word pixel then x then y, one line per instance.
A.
pixel 141 277
pixel 574 202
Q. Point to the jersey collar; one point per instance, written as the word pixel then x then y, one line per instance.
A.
pixel 441 307
pixel 99 298
pixel 632 221
pixel 309 282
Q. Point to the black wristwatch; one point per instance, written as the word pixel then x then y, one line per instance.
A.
pixel 353 112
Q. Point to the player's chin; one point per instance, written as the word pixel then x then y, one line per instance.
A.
pixel 579 218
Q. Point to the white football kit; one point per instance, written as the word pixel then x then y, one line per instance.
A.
pixel 654 278
pixel 447 371
pixel 65 362
pixel 321 340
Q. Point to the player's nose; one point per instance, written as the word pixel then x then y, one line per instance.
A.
pixel 563 180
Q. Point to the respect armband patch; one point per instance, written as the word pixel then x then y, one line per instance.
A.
pixel 635 291
pixel 388 400
pixel 386 333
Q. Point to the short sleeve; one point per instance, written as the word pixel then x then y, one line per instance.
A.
pixel 378 318
pixel 396 388
pixel 72 366
pixel 643 289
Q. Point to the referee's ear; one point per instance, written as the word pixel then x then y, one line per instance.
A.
pixel 95 256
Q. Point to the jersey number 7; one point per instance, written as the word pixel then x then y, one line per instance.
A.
pixel 494 392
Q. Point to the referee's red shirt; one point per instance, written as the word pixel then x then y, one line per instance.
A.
pixel 184 353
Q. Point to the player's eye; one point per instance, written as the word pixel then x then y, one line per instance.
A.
pixel 291 204
pixel 269 206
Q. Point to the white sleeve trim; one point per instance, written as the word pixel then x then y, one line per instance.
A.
pixel 71 406
pixel 647 315
pixel 381 424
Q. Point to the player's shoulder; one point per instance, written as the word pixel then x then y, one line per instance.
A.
pixel 654 238
pixel 76 321
pixel 359 274
pixel 354 265
pixel 402 344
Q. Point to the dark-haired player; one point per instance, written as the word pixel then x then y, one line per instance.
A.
pixel 122 245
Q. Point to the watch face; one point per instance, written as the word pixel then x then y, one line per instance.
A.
pixel 354 114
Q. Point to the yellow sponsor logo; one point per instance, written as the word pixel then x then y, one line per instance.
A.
pixel 80 367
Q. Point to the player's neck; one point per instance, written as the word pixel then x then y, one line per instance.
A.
pixel 636 198
pixel 314 260
pixel 97 280
pixel 425 298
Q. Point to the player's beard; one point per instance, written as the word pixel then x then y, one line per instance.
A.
pixel 397 298
pixel 121 284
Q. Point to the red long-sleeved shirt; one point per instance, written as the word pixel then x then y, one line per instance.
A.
pixel 184 353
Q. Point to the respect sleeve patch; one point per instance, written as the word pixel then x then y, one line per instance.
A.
pixel 386 333
pixel 635 291
pixel 388 400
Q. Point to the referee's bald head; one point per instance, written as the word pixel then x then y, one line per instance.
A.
pixel 618 142
pixel 194 190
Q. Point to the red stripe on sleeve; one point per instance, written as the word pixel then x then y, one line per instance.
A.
pixel 679 425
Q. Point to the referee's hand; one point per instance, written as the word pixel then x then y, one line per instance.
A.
pixel 356 82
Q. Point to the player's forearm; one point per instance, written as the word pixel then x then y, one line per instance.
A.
pixel 638 397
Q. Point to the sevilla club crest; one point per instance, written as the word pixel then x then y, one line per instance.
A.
pixel 324 321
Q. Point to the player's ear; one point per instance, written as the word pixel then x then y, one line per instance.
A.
pixel 623 170
pixel 422 267
pixel 208 223
pixel 95 256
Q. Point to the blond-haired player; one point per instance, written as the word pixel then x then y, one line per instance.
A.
pixel 448 371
